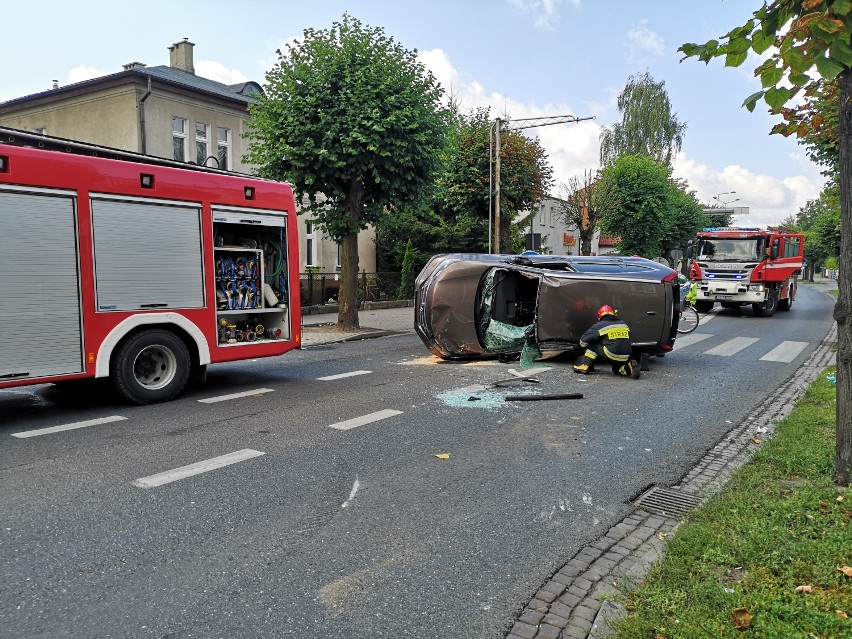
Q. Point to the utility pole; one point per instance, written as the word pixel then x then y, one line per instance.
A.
pixel 515 125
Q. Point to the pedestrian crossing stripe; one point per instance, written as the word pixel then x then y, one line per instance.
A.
pixel 732 346
pixel 784 352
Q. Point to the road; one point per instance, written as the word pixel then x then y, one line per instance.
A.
pixel 360 492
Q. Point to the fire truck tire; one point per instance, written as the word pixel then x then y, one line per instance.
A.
pixel 767 308
pixel 704 306
pixel 786 304
pixel 151 366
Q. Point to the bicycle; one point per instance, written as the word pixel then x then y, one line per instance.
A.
pixel 688 318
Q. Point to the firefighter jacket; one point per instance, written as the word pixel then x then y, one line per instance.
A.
pixel 614 336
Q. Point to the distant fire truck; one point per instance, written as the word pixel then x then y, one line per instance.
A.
pixel 736 266
pixel 144 270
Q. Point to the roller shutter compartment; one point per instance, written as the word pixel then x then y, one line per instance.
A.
pixel 40 327
pixel 147 255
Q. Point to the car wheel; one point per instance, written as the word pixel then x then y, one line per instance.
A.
pixel 151 366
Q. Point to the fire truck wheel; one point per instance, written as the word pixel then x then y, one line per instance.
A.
pixel 787 304
pixel 151 366
pixel 768 308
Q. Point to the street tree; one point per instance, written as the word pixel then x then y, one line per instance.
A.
pixel 796 38
pixel 648 126
pixel 355 122
pixel 652 213
pixel 584 199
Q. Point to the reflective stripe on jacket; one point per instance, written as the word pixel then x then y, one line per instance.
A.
pixel 613 333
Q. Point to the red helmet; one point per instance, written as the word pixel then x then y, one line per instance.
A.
pixel 606 309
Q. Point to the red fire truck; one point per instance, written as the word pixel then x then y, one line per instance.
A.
pixel 144 270
pixel 737 266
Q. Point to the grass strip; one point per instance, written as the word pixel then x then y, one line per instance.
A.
pixel 763 557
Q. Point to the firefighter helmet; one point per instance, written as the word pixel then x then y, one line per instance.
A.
pixel 606 309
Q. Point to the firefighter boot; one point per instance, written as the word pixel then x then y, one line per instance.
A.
pixel 630 369
pixel 584 365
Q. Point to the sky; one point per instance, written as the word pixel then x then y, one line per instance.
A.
pixel 522 58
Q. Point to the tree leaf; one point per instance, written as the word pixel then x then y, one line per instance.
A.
pixel 828 68
pixel 741 619
pixel 771 76
pixel 777 97
pixel 841 52
pixel 761 41
pixel 841 7
pixel 735 59
pixel 750 102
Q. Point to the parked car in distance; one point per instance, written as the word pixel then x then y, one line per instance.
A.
pixel 470 306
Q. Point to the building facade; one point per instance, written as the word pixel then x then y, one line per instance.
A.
pixel 545 231
pixel 170 112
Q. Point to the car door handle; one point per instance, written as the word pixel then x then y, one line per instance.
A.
pixel 650 312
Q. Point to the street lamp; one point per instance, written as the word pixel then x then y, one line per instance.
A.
pixel 725 204
pixel 718 200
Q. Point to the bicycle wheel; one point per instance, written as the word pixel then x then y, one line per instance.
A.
pixel 688 320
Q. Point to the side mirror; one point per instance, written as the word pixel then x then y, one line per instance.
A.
pixel 776 247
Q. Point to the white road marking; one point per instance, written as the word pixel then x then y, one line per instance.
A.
pixel 530 371
pixel 365 419
pixel 59 429
pixel 732 346
pixel 785 352
pixel 196 469
pixel 352 492
pixel 342 375
pixel 224 398
pixel 683 341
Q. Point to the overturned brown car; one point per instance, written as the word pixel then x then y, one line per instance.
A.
pixel 480 305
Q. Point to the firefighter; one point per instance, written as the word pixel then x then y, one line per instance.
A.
pixel 609 339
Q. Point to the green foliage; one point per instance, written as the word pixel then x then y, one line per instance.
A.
pixel 648 126
pixel 779 524
pixel 353 121
pixel 409 274
pixel 652 214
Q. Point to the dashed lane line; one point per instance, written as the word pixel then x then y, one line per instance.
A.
pixel 72 426
pixel 169 476
pixel 224 398
pixel 365 419
pixel 342 375
pixel 784 352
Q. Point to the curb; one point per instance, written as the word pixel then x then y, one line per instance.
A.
pixel 577 601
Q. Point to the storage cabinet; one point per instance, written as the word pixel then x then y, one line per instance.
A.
pixel 250 266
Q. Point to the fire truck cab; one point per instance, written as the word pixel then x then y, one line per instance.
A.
pixel 737 265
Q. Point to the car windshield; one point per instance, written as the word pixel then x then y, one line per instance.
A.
pixel 736 250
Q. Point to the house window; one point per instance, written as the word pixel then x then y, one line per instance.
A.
pixel 223 147
pixel 310 245
pixel 339 254
pixel 201 143
pixel 541 215
pixel 179 139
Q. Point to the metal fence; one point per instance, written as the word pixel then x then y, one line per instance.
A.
pixel 324 288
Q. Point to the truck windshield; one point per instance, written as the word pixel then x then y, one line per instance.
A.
pixel 736 250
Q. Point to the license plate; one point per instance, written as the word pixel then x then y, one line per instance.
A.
pixel 723 298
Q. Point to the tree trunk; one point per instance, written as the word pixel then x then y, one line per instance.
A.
pixel 347 314
pixel 843 452
pixel 586 237
pixel 347 299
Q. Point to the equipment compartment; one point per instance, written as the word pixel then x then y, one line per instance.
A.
pixel 252 292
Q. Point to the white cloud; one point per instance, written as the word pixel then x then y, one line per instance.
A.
pixel 574 148
pixel 82 72
pixel 769 199
pixel 545 13
pixel 643 43
pixel 217 71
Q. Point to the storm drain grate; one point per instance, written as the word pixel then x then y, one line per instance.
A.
pixel 667 501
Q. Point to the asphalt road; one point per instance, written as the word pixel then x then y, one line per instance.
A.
pixel 327 527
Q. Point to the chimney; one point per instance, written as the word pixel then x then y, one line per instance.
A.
pixel 56 84
pixel 180 56
pixel 130 66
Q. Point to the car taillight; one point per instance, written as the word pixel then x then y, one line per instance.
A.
pixel 665 347
pixel 669 277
